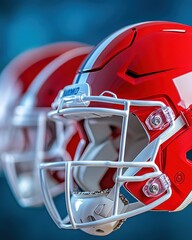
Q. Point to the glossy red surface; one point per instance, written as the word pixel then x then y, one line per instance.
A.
pixel 25 67
pixel 152 67
pixel 62 76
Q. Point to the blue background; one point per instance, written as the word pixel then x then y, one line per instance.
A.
pixel 26 24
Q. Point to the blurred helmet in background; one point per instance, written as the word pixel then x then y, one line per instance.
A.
pixel 16 78
pixel 34 137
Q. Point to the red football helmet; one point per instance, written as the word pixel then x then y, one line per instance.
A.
pixel 134 92
pixel 16 78
pixel 34 137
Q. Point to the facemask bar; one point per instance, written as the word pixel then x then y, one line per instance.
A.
pixel 58 150
pixel 135 208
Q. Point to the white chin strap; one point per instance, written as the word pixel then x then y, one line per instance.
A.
pixel 93 206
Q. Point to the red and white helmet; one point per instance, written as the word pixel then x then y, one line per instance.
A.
pixel 16 78
pixel 134 94
pixel 34 137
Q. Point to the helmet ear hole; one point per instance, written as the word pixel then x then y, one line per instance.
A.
pixel 189 155
pixel 99 231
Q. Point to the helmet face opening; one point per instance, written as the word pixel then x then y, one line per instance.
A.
pixel 104 138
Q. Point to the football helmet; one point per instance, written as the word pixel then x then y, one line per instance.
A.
pixel 34 137
pixel 15 79
pixel 134 94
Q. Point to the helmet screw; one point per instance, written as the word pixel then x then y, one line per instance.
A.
pixel 154 188
pixel 156 120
